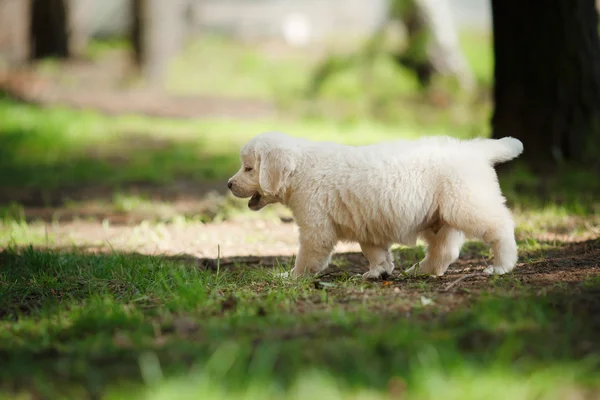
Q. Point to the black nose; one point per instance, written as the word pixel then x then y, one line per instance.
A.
pixel 229 184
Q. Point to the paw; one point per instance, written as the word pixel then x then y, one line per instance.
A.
pixel 372 276
pixel 389 268
pixel 420 270
pixel 495 270
pixel 376 273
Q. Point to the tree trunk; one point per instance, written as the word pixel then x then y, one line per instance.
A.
pixel 547 79
pixel 416 56
pixel 443 48
pixel 433 44
pixel 79 12
pixel 49 29
pixel 14 30
pixel 157 35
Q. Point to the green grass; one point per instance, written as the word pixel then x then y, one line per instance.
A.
pixel 244 70
pixel 216 66
pixel 213 65
pixel 478 51
pixel 78 325
pixel 58 147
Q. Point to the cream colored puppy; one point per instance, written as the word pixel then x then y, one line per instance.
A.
pixel 439 189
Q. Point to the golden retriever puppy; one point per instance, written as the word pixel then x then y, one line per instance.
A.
pixel 438 188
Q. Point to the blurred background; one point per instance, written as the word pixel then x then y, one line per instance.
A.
pixel 123 112
pixel 359 54
pixel 124 259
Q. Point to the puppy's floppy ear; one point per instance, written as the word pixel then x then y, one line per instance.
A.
pixel 276 166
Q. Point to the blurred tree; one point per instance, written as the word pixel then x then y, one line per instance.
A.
pixel 14 30
pixel 157 35
pixel 432 47
pixel 78 20
pixel 49 31
pixel 547 79
pixel 33 29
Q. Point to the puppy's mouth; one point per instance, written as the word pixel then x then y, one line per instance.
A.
pixel 254 200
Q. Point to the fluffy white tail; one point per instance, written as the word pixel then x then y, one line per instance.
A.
pixel 500 150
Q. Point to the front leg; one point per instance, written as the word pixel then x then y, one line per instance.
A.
pixel 381 262
pixel 314 253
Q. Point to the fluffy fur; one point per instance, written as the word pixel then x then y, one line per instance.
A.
pixel 439 189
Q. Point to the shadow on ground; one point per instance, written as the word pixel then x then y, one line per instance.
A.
pixel 557 265
pixel 155 169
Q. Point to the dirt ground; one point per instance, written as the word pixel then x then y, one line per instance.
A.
pixel 104 92
pixel 271 245
pixel 570 250
pixel 566 266
pixel 248 242
pixel 568 263
pixel 251 242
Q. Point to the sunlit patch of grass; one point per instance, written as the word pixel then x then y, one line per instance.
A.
pixel 533 245
pixel 548 224
pixel 238 69
pixel 98 48
pixel 56 147
pixel 470 383
pixel 244 70
pixel 386 80
pixel 430 383
pixel 477 47
pixel 476 248
pixel 21 233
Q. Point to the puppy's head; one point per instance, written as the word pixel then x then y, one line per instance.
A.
pixel 268 161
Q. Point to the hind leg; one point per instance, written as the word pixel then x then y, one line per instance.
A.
pixel 493 223
pixel 443 248
pixel 504 247
pixel 381 263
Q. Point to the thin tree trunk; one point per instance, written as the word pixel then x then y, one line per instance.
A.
pixel 79 12
pixel 433 44
pixel 157 35
pixel 547 79
pixel 14 30
pixel 416 56
pixel 443 49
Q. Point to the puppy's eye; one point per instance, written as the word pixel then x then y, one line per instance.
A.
pixel 248 169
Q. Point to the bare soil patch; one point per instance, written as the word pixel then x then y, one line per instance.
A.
pixel 100 87
pixel 567 263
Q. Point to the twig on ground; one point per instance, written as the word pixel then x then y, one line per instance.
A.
pixel 462 278
pixel 332 272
